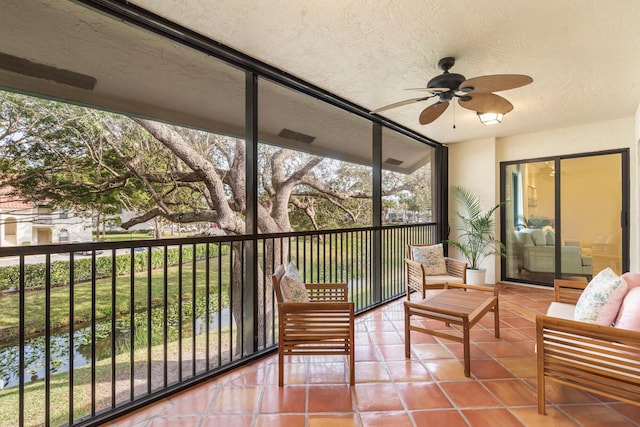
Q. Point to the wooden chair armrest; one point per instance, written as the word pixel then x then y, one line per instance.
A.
pixel 456 268
pixel 413 264
pixel 494 289
pixel 568 291
pixel 610 338
pixel 415 273
pixel 319 292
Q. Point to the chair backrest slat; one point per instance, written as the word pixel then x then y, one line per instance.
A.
pixel 276 277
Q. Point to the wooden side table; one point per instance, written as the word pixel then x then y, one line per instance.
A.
pixel 453 306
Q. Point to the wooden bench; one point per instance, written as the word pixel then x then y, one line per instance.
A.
pixel 594 358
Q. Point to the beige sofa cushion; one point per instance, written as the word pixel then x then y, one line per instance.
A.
pixel 562 310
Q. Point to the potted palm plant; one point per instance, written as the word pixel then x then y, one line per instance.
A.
pixel 476 238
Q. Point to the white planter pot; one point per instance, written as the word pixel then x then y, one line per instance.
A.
pixel 475 277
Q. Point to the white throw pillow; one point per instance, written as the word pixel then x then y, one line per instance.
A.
pixel 600 301
pixel 431 257
pixel 292 286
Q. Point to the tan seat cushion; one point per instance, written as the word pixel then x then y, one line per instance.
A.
pixel 431 280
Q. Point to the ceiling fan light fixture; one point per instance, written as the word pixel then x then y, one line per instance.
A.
pixel 490 118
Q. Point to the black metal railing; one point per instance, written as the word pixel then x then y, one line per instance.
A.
pixel 94 330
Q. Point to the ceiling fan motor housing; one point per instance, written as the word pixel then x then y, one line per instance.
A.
pixel 448 80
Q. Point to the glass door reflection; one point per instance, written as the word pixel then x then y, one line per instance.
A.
pixel 591 200
pixel 529 221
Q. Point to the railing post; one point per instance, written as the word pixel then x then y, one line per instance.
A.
pixel 250 289
pixel 376 244
pixel 441 194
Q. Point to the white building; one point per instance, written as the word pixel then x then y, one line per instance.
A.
pixel 25 223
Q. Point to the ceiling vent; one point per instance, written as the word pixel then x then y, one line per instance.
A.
pixel 393 162
pixel 296 136
pixel 47 72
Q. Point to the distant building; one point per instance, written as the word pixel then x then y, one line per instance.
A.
pixel 126 215
pixel 25 223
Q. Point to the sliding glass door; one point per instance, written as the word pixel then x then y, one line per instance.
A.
pixel 591 199
pixel 564 217
pixel 529 221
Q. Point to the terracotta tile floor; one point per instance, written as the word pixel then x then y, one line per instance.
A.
pixel 429 389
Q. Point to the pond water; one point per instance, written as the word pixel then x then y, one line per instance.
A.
pixel 34 349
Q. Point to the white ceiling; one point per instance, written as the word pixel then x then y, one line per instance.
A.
pixel 583 55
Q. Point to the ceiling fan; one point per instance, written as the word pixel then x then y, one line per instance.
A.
pixel 474 94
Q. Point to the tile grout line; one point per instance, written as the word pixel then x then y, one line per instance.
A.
pixel 395 385
pixel 435 381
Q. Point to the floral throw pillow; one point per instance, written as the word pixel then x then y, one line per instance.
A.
pixel 600 301
pixel 292 286
pixel 431 257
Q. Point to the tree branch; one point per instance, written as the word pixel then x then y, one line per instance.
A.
pixel 180 218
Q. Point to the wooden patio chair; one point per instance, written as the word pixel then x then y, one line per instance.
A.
pixel 419 281
pixel 322 326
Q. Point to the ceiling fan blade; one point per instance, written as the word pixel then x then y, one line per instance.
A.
pixel 432 112
pixel 430 89
pixel 399 104
pixel 486 103
pixel 495 82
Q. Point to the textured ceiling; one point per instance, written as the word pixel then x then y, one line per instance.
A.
pixel 583 56
pixel 51 47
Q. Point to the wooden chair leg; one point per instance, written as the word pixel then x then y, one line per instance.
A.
pixel 280 368
pixel 407 332
pixel 467 348
pixel 541 396
pixel 352 354
pixel 352 369
pixel 496 319
pixel 540 383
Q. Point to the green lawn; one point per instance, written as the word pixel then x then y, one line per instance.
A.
pixel 123 237
pixel 60 304
pixel 144 286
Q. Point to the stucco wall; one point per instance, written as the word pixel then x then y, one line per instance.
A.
pixel 475 164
